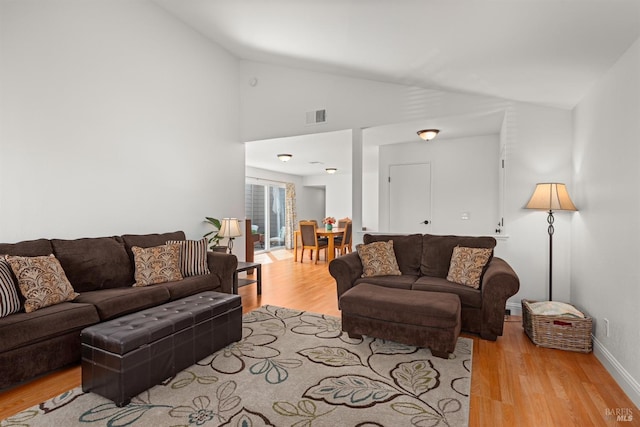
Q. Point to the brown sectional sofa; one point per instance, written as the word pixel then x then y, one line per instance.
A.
pixel 424 263
pixel 101 270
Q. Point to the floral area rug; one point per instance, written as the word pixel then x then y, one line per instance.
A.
pixel 292 368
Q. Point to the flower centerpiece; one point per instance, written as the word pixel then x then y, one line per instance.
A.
pixel 328 222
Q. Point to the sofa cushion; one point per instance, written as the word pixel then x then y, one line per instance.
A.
pixel 41 280
pixel 378 259
pixel 408 250
pixel 193 257
pixel 21 329
pixel 9 300
pixel 467 265
pixel 94 263
pixel 149 240
pixel 437 251
pixel 115 302
pixel 158 264
pixel 468 296
pixel 402 282
pixel 38 247
pixel 191 286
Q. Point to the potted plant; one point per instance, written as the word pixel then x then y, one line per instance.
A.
pixel 213 237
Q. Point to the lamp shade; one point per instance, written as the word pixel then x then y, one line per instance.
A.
pixel 230 227
pixel 551 196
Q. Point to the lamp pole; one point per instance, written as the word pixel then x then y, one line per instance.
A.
pixel 550 229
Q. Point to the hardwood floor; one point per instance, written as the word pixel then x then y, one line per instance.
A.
pixel 514 383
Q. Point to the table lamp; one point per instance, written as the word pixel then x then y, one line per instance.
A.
pixel 230 228
pixel 551 196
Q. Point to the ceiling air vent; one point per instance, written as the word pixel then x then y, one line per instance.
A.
pixel 315 117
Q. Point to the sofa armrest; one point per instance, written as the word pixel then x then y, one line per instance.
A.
pixel 499 283
pixel 223 266
pixel 345 269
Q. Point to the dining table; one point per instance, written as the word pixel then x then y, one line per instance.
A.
pixel 321 232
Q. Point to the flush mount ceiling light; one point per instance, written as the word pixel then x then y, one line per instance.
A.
pixel 428 134
pixel 285 157
pixel 331 170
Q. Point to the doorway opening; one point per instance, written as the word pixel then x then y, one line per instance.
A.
pixel 265 206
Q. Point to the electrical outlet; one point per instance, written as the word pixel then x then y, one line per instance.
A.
pixel 606 327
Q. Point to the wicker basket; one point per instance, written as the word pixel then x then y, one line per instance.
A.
pixel 561 332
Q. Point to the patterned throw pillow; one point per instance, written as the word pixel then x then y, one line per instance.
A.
pixel 378 259
pixel 41 280
pixel 9 300
pixel 158 264
pixel 193 256
pixel 467 265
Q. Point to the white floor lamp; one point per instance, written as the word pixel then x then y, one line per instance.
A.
pixel 551 196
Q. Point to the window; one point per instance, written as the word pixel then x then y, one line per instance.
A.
pixel 265 206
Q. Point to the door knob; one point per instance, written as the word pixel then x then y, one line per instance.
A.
pixel 425 222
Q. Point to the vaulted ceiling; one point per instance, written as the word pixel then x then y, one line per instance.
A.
pixel 542 51
pixel 546 52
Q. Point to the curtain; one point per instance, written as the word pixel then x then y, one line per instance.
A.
pixel 289 214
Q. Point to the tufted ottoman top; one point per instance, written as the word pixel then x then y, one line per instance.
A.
pixel 134 330
pixel 422 308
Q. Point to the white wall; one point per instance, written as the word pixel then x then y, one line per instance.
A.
pixel 337 193
pixel 605 279
pixel 538 150
pixel 276 106
pixel 464 177
pixel 113 119
pixel 370 205
pixel 316 204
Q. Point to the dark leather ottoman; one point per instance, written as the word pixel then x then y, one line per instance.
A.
pixel 424 319
pixel 123 357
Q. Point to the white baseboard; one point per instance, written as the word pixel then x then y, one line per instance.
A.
pixel 629 384
pixel 515 307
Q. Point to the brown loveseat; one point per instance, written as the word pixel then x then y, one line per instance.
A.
pixel 101 270
pixel 424 263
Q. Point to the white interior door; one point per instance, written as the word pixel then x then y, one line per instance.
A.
pixel 410 198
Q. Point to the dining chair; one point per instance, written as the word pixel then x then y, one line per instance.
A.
pixel 315 221
pixel 342 223
pixel 310 240
pixel 343 243
pixel 305 220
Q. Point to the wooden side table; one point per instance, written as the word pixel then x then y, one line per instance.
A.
pixel 245 266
